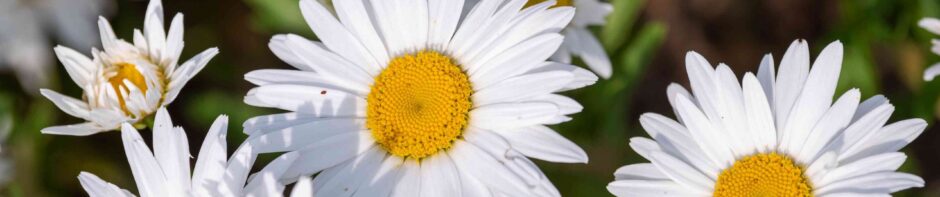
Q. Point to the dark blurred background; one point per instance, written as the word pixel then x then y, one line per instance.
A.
pixel 885 53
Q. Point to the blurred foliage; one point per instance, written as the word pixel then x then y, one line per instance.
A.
pixel 885 53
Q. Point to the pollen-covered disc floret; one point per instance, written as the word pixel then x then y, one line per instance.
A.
pixel 763 175
pixel 419 104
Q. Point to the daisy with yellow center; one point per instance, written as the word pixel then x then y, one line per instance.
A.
pixel 579 41
pixel 772 134
pixel 126 82
pixel 408 98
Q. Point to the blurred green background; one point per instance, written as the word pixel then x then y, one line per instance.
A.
pixel 885 53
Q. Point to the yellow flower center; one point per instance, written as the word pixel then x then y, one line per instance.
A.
pixel 763 175
pixel 129 72
pixel 558 3
pixel 419 105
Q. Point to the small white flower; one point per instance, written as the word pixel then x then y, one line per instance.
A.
pixel 408 98
pixel 126 82
pixel 932 25
pixel 24 47
pixel 166 172
pixel 773 134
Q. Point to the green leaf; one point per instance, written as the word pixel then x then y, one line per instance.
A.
pixel 641 51
pixel 617 30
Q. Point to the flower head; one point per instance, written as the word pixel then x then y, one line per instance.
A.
pixel 773 134
pixel 409 98
pixel 126 82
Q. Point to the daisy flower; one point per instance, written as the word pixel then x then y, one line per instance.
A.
pixel 126 82
pixel 933 26
pixel 579 41
pixel 773 134
pixel 24 48
pixel 408 98
pixel 166 171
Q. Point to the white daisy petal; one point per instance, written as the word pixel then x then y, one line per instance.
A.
pixel 674 138
pixel 308 99
pixel 303 188
pixel 299 136
pixel 153 28
pixel 873 164
pixel 316 157
pixel 269 186
pixel 350 177
pixel 260 182
pixel 95 187
pixel 409 183
pixel 382 182
pixel 281 47
pixel 815 97
pixel 329 64
pixel 681 172
pixel 862 130
pixel 174 159
pixel 69 105
pixel 710 141
pixel 932 72
pixel 274 122
pixel 279 76
pixel 590 50
pixel 766 74
pixel 759 115
pixel 79 67
pixel 517 60
pixel 790 79
pixel 649 188
pixel 582 77
pixel 473 187
pixel 354 16
pixel 488 170
pixel 642 171
pixel 868 105
pixel 930 24
pixel 888 139
pixel 108 38
pixel 544 143
pixel 522 87
pixel 236 173
pixel 828 126
pixel 820 167
pixel 443 172
pixel 672 91
pixel 882 182
pixel 187 71
pixel 336 37
pixel 210 163
pixel 443 22
pixel 174 44
pixel 513 115
pixel 147 172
